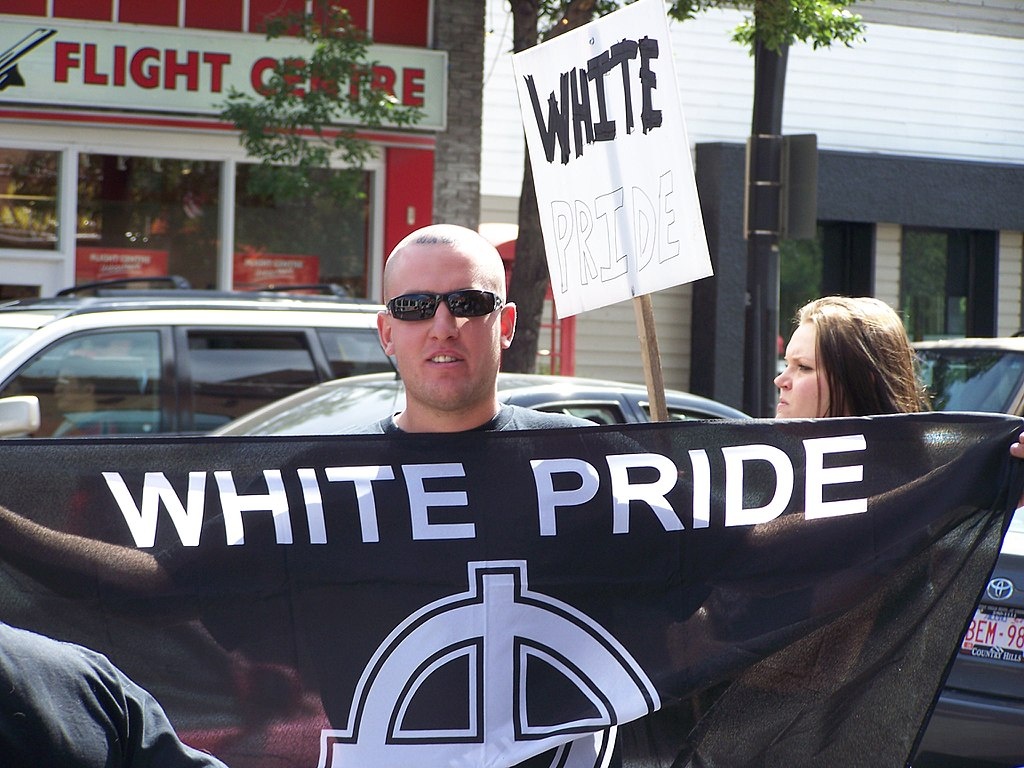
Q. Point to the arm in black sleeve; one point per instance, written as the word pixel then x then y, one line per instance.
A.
pixel 62 704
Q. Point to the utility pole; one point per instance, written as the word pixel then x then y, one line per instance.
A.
pixel 764 189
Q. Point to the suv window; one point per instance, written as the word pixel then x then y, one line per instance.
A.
pixel 235 372
pixel 351 352
pixel 972 379
pixel 100 383
pixel 11 336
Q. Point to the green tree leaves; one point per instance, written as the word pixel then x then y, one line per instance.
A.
pixel 310 109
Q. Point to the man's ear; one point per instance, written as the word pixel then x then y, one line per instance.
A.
pixel 384 331
pixel 508 324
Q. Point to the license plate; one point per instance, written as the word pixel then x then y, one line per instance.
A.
pixel 996 632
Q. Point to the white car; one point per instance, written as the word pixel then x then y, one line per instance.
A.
pixel 127 362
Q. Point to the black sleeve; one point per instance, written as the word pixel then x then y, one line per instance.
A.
pixel 62 704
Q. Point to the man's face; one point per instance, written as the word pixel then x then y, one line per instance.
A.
pixel 449 364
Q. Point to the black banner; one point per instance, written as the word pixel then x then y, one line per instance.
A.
pixel 705 594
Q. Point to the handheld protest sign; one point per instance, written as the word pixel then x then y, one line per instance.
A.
pixel 611 161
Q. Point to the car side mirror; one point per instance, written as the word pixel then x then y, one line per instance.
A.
pixel 19 415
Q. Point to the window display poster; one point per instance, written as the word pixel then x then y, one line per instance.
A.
pixel 93 263
pixel 261 270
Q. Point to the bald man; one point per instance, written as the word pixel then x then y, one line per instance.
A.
pixel 446 324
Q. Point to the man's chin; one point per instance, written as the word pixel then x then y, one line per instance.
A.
pixel 448 396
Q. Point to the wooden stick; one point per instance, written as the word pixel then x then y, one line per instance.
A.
pixel 644 309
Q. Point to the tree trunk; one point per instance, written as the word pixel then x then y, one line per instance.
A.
pixel 530 273
pixel 458 25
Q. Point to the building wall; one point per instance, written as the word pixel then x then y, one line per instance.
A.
pixel 887 262
pixel 890 191
pixel 607 344
pixel 400 22
pixel 402 197
pixel 1002 18
pixel 1011 258
pixel 914 92
pixel 904 90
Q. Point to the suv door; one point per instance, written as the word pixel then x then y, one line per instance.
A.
pixel 97 383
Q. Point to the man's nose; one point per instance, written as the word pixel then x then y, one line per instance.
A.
pixel 444 324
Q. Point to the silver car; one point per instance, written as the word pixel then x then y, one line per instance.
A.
pixel 974 374
pixel 334 407
pixel 979 716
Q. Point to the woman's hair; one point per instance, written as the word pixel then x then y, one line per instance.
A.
pixel 870 366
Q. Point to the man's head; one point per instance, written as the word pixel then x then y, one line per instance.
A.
pixel 449 361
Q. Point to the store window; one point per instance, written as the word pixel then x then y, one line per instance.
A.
pixel 28 199
pixel 839 261
pixel 948 282
pixel 316 235
pixel 800 280
pixel 147 217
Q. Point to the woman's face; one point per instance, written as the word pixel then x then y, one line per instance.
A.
pixel 803 393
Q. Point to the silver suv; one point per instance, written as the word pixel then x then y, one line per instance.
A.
pixel 127 362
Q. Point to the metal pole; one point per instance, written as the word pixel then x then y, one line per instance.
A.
pixel 764 181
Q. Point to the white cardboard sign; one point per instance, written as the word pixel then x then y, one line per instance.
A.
pixel 611 160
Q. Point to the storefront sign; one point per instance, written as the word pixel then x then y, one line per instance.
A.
pixel 153 69
pixel 93 264
pixel 615 184
pixel 259 270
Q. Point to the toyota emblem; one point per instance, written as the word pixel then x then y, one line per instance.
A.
pixel 999 589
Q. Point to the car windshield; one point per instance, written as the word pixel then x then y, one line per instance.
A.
pixel 11 336
pixel 972 379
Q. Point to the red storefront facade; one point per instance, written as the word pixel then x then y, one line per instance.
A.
pixel 114 162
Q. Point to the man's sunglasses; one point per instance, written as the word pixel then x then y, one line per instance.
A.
pixel 422 306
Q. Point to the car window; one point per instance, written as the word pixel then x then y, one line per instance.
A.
pixel 101 383
pixel 234 372
pixel 352 351
pixel 972 380
pixel 682 414
pixel 11 336
pixel 599 413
